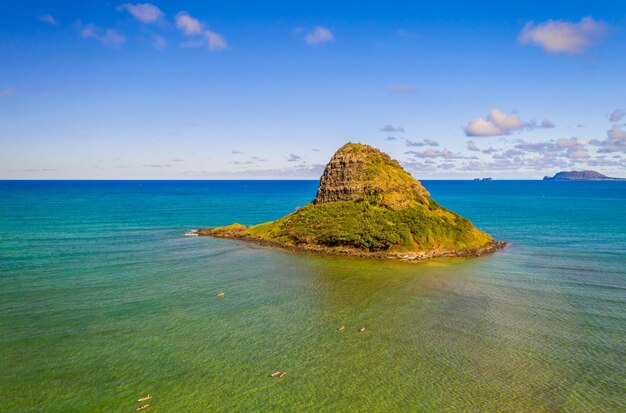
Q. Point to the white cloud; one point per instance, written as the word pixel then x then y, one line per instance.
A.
pixel 577 153
pixel 46 18
pixel 431 142
pixel 504 121
pixel 500 123
pixel 144 12
pixel 187 24
pixel 571 143
pixel 402 90
pixel 293 158
pixel 215 41
pixel 193 27
pixel 617 115
pixel 7 92
pixel 556 36
pixel 617 133
pixel 615 141
pixel 319 35
pixel 482 127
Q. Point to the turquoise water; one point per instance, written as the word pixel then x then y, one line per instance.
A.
pixel 102 301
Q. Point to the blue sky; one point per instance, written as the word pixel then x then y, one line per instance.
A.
pixel 269 90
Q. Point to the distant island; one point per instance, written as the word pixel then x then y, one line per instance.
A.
pixel 581 176
pixel 368 205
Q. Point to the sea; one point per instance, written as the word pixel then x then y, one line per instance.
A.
pixel 103 301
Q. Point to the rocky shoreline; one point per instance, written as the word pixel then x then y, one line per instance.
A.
pixel 489 248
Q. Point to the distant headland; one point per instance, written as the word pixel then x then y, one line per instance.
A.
pixel 581 176
pixel 367 205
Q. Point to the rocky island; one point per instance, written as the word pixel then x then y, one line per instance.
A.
pixel 581 176
pixel 368 205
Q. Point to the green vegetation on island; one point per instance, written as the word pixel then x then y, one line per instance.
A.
pixel 581 176
pixel 368 205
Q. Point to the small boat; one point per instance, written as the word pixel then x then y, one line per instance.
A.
pixel 341 328
pixel 192 233
pixel 220 294
pixel 274 374
pixel 145 406
pixel 362 329
pixel 283 374
pixel 144 398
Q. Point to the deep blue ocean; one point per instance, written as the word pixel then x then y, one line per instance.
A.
pixel 102 300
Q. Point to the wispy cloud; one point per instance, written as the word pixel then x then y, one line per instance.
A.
pixel 436 153
pixel 556 36
pixel 215 41
pixel 425 142
pixel 88 31
pixel 144 12
pixel 109 37
pixel 617 115
pixel 187 24
pixel 158 42
pixel 194 28
pixel 615 141
pixel 47 18
pixel 547 124
pixel 112 37
pixel 402 90
pixel 391 128
pixel 319 35
pixel 471 146
pixel 296 171
pixel 293 158
pixel 7 92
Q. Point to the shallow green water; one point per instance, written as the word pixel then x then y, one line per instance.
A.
pixel 102 301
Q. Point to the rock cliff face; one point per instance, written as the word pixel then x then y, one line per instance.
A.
pixel 358 171
pixel 367 205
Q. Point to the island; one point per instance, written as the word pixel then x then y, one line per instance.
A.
pixel 367 205
pixel 581 176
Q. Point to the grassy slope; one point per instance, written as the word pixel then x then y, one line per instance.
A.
pixel 369 226
pixel 395 214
